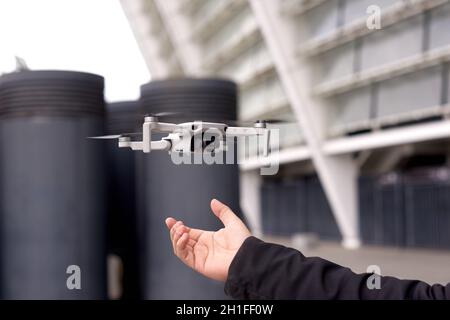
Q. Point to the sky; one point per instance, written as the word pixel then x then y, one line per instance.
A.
pixel 82 35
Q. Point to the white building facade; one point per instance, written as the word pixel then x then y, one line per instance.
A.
pixel 366 80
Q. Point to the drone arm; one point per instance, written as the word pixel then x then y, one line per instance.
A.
pixel 125 142
pixel 140 145
pixel 146 145
pixel 161 145
pixel 147 137
pixel 247 131
pixel 165 127
pixel 148 127
pixel 266 136
pixel 244 131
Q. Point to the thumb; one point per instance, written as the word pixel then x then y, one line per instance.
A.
pixel 223 212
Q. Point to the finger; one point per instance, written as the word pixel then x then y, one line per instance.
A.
pixel 181 243
pixel 187 256
pixel 223 212
pixel 191 242
pixel 185 251
pixel 180 230
pixel 176 237
pixel 170 222
pixel 194 234
pixel 174 228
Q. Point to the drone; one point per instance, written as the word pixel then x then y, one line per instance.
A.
pixel 184 137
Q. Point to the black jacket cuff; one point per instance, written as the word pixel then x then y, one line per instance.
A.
pixel 244 278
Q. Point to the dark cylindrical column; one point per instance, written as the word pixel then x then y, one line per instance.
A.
pixel 52 204
pixel 183 191
pixel 123 117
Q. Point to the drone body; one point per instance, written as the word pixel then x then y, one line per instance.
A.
pixel 190 137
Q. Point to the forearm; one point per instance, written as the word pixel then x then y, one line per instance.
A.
pixel 267 271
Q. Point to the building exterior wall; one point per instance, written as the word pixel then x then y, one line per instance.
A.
pixel 355 80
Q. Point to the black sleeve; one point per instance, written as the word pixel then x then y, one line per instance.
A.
pixel 263 270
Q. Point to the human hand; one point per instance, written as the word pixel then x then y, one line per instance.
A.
pixel 209 252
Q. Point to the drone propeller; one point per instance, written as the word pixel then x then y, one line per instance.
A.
pixel 112 136
pixel 251 123
pixel 278 121
pixel 162 114
pixel 116 136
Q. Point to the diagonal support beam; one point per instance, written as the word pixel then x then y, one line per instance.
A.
pixel 338 174
pixel 178 27
pixel 140 25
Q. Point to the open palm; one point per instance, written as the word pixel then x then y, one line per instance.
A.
pixel 209 252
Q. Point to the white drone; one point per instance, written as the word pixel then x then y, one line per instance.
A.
pixel 182 137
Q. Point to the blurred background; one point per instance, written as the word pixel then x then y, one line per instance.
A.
pixel 364 173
